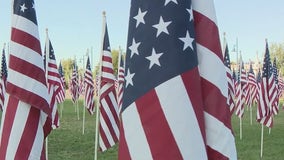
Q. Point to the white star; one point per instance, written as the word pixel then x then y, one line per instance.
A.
pixel 134 48
pixel 190 14
pixel 162 26
pixel 128 78
pixel 187 40
pixel 168 1
pixel 140 17
pixel 23 7
pixel 154 58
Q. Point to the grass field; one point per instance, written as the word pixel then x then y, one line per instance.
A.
pixel 68 142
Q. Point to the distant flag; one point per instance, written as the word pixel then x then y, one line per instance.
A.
pixel 81 85
pixel 55 86
pixel 258 80
pixel 231 85
pixel 220 141
pixel 61 73
pixel 3 81
pixel 163 110
pixel 239 101
pixel 120 78
pixel 264 110
pixel 26 119
pixel 275 99
pixel 75 83
pixel 241 90
pixel 89 88
pixel 251 86
pixel 108 109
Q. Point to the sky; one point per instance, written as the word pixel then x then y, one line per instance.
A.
pixel 76 26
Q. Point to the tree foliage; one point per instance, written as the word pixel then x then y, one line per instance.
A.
pixel 277 50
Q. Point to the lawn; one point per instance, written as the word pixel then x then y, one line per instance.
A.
pixel 68 142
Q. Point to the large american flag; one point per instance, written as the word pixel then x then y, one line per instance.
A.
pixel 163 110
pixel 264 109
pixel 109 119
pixel 231 85
pixel 55 86
pixel 3 80
pixel 89 88
pixel 26 118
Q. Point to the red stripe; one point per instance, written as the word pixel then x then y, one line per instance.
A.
pixel 29 97
pixel 29 134
pixel 156 128
pixel 215 154
pixel 203 28
pixel 7 124
pixel 123 151
pixel 215 103
pixel 107 59
pixel 191 80
pixel 26 39
pixel 27 69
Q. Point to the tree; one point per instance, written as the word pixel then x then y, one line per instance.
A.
pixel 277 50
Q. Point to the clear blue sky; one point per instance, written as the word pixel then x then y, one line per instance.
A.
pixel 75 26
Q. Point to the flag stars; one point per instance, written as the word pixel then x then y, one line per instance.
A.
pixel 140 17
pixel 190 14
pixel 187 40
pixel 128 78
pixel 154 58
pixel 23 7
pixel 168 1
pixel 162 26
pixel 134 48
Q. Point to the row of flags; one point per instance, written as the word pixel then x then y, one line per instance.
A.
pixel 265 88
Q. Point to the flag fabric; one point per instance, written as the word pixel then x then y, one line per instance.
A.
pixel 3 81
pixel 109 119
pixel 251 87
pixel 26 119
pixel 275 99
pixel 120 80
pixel 258 80
pixel 231 85
pixel 239 101
pixel 89 88
pixel 162 114
pixel 264 109
pixel 241 90
pixel 220 140
pixel 61 73
pixel 74 86
pixel 54 83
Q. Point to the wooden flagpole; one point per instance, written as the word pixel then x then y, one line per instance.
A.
pixel 241 129
pixel 261 142
pixel 99 90
pixel 250 111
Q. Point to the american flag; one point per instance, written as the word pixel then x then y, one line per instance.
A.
pixel 109 119
pixel 275 98
pixel 74 86
pixel 258 80
pixel 120 80
pixel 3 80
pixel 241 90
pixel 231 85
pixel 264 110
pixel 55 86
pixel 26 118
pixel 163 110
pixel 61 73
pixel 89 88
pixel 251 88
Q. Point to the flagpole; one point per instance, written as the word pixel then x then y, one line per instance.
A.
pixel 99 90
pixel 261 142
pixel 241 131
pixel 250 114
pixel 46 74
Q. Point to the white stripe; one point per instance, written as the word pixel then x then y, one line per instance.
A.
pixel 26 54
pixel 219 137
pixel 102 145
pixel 22 112
pixel 212 69
pixel 181 118
pixel 107 54
pixel 134 134
pixel 205 7
pixel 28 83
pixel 29 26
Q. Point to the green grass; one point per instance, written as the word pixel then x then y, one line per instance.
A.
pixel 68 143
